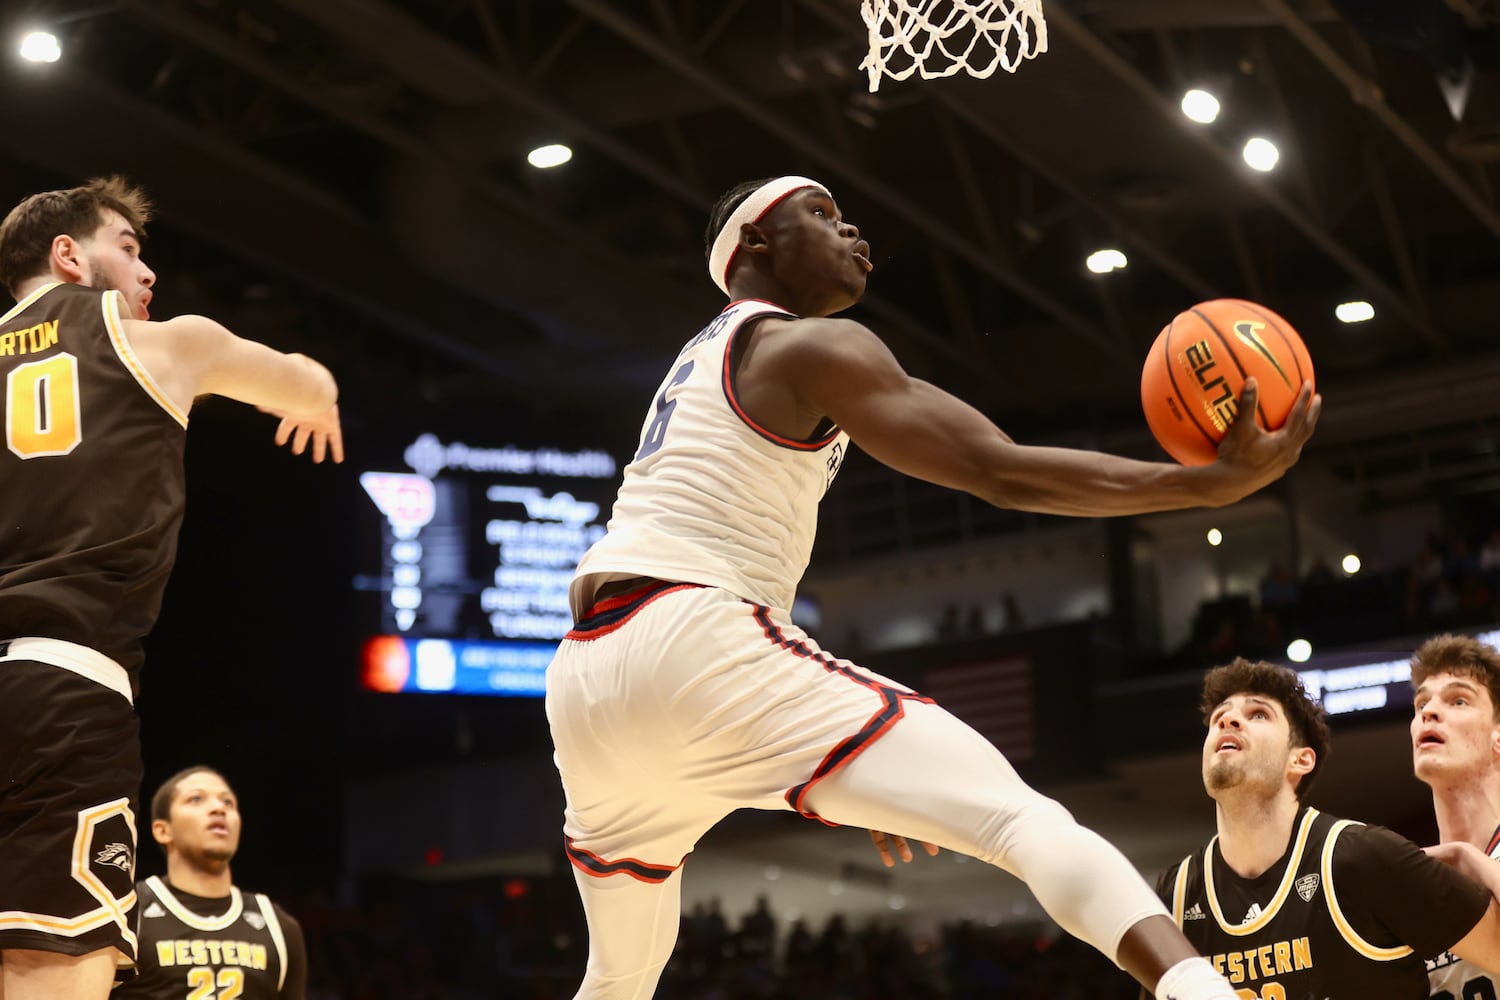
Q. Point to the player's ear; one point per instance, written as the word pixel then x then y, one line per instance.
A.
pixel 1302 761
pixel 752 239
pixel 67 258
pixel 161 832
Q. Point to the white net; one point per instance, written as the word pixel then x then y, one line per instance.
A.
pixel 940 37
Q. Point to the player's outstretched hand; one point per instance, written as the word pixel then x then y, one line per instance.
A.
pixel 1256 457
pixel 322 429
pixel 886 842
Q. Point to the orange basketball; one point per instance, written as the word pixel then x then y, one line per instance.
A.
pixel 1190 387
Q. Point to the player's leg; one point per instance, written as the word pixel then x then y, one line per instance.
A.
pixel 632 931
pixel 48 975
pixel 69 748
pixel 632 814
pixel 933 778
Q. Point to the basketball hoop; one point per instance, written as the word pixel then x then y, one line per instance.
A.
pixel 940 37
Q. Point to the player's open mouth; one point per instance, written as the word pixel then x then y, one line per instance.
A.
pixel 1228 744
pixel 1429 738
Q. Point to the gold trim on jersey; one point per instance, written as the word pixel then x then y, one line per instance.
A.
pixel 28 300
pixel 1350 935
pixel 193 920
pixel 277 938
pixel 1179 890
pixel 110 910
pixel 127 356
pixel 1288 877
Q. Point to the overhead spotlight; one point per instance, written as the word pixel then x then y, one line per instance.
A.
pixel 1105 261
pixel 1298 650
pixel 1261 154
pixel 41 46
pixel 1215 536
pixel 1351 564
pixel 1354 312
pixel 1201 106
pixel 546 157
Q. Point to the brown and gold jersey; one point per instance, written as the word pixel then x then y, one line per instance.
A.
pixel 1349 911
pixel 196 948
pixel 91 477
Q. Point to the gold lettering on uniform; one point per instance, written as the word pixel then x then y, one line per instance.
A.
pixel 231 953
pixel 183 953
pixel 1274 959
pixel 32 340
pixel 43 335
pixel 200 953
pixel 213 953
pixel 164 954
pixel 258 956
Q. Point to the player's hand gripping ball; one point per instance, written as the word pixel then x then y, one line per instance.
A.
pixel 1190 387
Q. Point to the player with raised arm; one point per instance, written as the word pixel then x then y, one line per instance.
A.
pixel 1290 902
pixel 684 691
pixel 95 408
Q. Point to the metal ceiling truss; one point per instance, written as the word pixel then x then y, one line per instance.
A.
pixel 1060 18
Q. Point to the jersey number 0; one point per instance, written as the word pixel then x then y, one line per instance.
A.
pixel 41 407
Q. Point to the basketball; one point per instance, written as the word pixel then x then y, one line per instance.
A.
pixel 1190 386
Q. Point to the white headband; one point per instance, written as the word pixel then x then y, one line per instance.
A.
pixel 751 210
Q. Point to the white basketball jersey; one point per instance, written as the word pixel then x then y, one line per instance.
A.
pixel 1450 977
pixel 711 497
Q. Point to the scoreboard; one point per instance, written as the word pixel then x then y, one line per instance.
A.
pixel 476 551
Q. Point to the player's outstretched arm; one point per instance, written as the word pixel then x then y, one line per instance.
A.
pixel 193 355
pixel 840 369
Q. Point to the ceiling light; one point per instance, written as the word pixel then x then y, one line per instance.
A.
pixel 1298 650
pixel 1105 261
pixel 1354 312
pixel 41 46
pixel 1215 536
pixel 554 155
pixel 1351 564
pixel 1261 154
pixel 1201 106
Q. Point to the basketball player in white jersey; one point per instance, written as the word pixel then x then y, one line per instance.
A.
pixel 685 692
pixel 1455 740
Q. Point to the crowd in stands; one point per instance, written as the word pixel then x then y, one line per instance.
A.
pixel 491 939
pixel 1452 584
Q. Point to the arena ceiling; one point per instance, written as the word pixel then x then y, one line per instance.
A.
pixel 351 174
